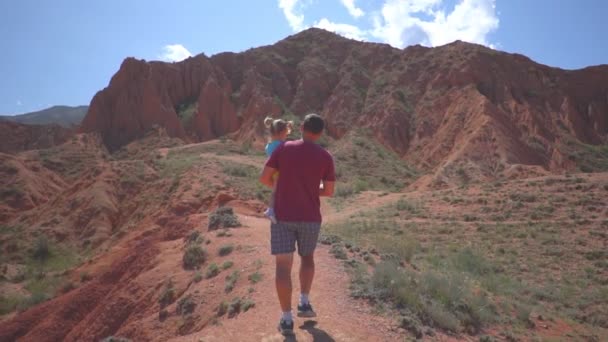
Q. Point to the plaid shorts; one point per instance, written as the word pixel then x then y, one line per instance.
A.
pixel 285 235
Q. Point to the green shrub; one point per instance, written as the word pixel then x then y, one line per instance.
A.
pixel 231 281
pixel 194 256
pixel 222 308
pixel 185 306
pixel 186 111
pixel 403 247
pixel 212 271
pixel 234 307
pixel 239 170
pixel 247 304
pixel 227 264
pixel 223 217
pixel 338 252
pixel 41 250
pixel 225 250
pixel 344 191
pixel 167 296
pixel 194 237
pixel 469 261
pixel 255 277
pixel 238 305
pixel 198 277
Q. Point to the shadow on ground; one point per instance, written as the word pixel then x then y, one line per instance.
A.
pixel 318 335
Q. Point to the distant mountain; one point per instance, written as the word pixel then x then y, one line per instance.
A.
pixel 61 115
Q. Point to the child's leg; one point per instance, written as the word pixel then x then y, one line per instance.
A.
pixel 274 189
pixel 270 211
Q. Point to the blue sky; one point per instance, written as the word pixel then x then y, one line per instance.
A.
pixel 64 51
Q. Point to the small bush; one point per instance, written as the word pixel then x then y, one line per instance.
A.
pixel 67 287
pixel 227 264
pixel 163 314
pixel 194 237
pixel 84 277
pixel 115 339
pixel 198 277
pixel 231 281
pixel 223 217
pixel 329 239
pixel 185 306
pixel 523 314
pixel 238 170
pixel 35 299
pixel 223 233
pixel 212 271
pixel 194 256
pixel 522 197
pixel 472 262
pixel 255 277
pixel 167 296
pixel 222 308
pixel 338 252
pixel 41 250
pixel 403 247
pixel 238 305
pixel 403 205
pixel 225 250
pixel 345 191
pixel 247 304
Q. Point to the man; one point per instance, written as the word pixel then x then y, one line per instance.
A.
pixel 302 166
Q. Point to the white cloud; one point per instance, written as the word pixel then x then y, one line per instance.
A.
pixel 19 103
pixel 175 53
pixel 346 30
pixel 399 22
pixel 295 20
pixel 353 10
pixel 406 22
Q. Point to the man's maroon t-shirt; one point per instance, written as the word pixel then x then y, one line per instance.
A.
pixel 301 165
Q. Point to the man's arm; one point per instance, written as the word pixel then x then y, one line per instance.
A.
pixel 328 189
pixel 266 176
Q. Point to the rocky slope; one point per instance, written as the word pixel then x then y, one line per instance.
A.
pixel 456 107
pixel 16 137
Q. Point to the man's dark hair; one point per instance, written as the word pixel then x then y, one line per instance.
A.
pixel 313 123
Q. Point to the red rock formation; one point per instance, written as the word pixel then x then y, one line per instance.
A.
pixel 435 106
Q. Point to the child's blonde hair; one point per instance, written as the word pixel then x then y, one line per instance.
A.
pixel 277 126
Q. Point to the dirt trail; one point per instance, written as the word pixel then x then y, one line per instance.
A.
pixel 340 318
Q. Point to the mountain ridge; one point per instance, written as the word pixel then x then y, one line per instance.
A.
pixel 65 116
pixel 458 105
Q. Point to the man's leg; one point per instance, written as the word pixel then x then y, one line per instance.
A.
pixel 282 245
pixel 307 273
pixel 283 280
pixel 308 233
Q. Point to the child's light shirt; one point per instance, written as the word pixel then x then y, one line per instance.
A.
pixel 271 146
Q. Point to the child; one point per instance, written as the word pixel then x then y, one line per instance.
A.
pixel 278 130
